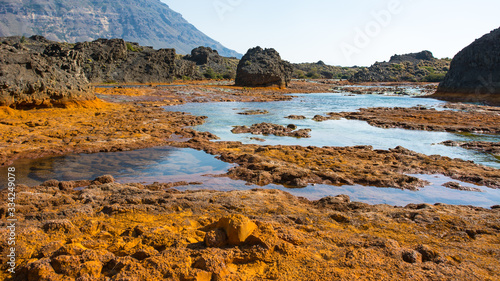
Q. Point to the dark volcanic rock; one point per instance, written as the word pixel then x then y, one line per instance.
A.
pixel 263 67
pixel 49 77
pixel 115 60
pixel 36 72
pixel 413 57
pixel 204 55
pixel 475 72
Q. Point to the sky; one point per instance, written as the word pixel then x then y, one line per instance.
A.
pixel 347 33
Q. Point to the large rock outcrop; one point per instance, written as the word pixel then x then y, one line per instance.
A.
pixel 474 72
pixel 263 67
pixel 115 60
pixel 38 72
pixel 45 76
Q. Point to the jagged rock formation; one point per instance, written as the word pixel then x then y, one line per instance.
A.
pixel 118 61
pixel 263 67
pixel 40 78
pixel 475 72
pixel 149 22
pixel 415 67
pixel 211 65
pixel 37 71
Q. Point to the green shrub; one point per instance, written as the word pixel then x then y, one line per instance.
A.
pixel 434 77
pixel 132 48
pixel 211 74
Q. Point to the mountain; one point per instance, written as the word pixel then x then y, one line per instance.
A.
pixel 147 22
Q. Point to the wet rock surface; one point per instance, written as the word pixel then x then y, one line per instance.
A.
pixel 263 67
pixel 484 146
pixel 297 166
pixel 458 186
pixel 273 129
pixel 129 231
pixel 429 119
pixel 254 112
pixel 474 73
pixel 88 127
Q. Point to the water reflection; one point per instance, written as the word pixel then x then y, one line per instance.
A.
pixel 163 164
pixel 223 116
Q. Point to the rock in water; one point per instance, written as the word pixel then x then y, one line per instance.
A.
pixel 263 67
pixel 474 72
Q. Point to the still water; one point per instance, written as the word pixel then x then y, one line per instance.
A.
pixel 167 164
pixel 223 116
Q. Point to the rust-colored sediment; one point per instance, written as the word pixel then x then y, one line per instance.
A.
pixel 110 231
pixel 90 126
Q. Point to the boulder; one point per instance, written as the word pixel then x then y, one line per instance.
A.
pixel 263 67
pixel 237 228
pixel 204 55
pixel 474 74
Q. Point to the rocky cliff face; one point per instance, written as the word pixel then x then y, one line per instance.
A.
pixel 475 72
pixel 148 22
pixel 263 67
pixel 414 67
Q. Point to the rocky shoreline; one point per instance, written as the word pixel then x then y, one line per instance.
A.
pixel 111 231
pixel 428 119
pixel 100 229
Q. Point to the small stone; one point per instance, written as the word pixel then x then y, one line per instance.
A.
pixel 411 256
pixel 104 179
pixel 216 238
pixel 51 183
pixel 237 227
pixel 66 185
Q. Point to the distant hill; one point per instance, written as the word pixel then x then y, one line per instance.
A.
pixel 414 67
pixel 147 22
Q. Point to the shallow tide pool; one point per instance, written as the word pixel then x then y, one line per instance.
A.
pixel 223 116
pixel 168 164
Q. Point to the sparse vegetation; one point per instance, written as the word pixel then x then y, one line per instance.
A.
pixel 132 48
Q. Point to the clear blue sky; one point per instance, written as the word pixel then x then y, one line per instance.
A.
pixel 357 32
